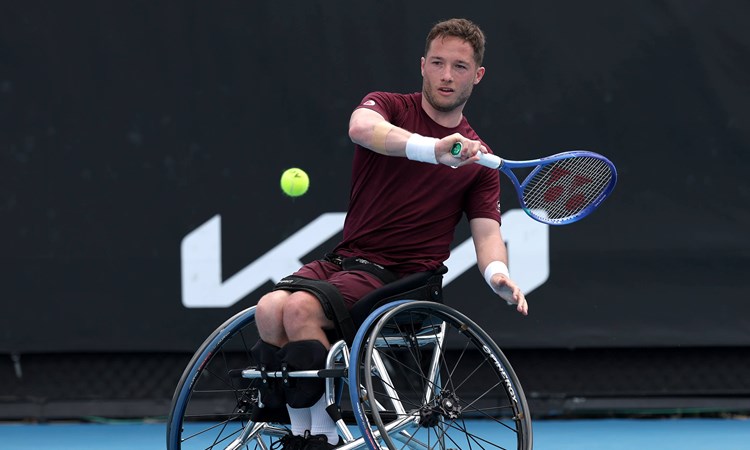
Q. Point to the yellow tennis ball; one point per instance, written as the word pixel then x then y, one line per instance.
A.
pixel 294 182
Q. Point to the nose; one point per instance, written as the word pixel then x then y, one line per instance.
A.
pixel 447 74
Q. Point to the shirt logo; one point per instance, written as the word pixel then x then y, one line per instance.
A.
pixel 369 103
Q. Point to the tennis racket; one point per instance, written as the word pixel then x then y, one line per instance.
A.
pixel 560 189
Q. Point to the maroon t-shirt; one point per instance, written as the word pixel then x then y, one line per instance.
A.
pixel 402 213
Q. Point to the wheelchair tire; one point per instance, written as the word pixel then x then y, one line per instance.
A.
pixel 211 403
pixel 437 381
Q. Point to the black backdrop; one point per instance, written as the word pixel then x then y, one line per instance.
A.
pixel 126 125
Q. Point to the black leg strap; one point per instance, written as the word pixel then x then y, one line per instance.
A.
pixel 303 355
pixel 272 402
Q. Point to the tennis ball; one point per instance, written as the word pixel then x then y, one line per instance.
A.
pixel 294 182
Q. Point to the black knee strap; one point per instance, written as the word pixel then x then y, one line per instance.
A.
pixel 271 390
pixel 303 355
pixel 266 356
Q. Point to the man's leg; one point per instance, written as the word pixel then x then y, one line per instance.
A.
pixel 298 318
pixel 269 318
pixel 295 322
pixel 304 319
pixel 304 322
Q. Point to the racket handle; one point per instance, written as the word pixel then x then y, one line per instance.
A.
pixel 485 159
pixel 490 160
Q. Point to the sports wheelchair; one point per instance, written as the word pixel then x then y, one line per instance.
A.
pixel 418 374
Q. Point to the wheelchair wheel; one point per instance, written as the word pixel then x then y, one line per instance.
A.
pixel 424 376
pixel 212 404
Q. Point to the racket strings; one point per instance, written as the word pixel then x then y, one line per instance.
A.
pixel 568 186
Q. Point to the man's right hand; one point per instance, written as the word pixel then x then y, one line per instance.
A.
pixel 469 150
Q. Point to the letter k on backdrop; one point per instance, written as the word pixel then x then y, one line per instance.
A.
pixel 203 284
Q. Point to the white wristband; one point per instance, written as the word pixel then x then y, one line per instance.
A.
pixel 422 149
pixel 493 268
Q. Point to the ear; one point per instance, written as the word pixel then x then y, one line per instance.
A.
pixel 421 65
pixel 479 75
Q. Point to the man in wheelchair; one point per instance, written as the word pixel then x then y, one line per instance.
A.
pixel 407 196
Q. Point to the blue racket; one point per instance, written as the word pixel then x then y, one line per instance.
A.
pixel 562 188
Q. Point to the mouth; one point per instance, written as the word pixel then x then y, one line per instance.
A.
pixel 445 90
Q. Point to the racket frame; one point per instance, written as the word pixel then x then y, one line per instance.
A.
pixel 506 166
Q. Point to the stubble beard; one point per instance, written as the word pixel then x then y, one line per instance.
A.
pixel 460 101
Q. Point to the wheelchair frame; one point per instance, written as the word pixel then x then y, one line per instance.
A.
pixel 387 408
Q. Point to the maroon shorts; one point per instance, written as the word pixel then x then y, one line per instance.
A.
pixel 353 284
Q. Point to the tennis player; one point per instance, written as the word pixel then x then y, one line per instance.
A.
pixel 408 194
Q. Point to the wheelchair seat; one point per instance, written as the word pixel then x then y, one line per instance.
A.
pixel 417 286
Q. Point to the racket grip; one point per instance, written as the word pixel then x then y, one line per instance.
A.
pixel 485 159
pixel 490 160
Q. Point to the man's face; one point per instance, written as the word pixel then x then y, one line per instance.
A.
pixel 449 73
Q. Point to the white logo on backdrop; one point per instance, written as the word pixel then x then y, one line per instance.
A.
pixel 204 286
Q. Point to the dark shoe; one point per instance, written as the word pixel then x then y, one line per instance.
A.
pixel 320 442
pixel 289 442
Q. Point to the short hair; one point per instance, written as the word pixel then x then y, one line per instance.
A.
pixel 460 28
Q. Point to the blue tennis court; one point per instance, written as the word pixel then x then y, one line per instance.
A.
pixel 599 434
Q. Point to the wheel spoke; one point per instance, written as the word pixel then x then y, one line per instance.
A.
pixel 473 381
